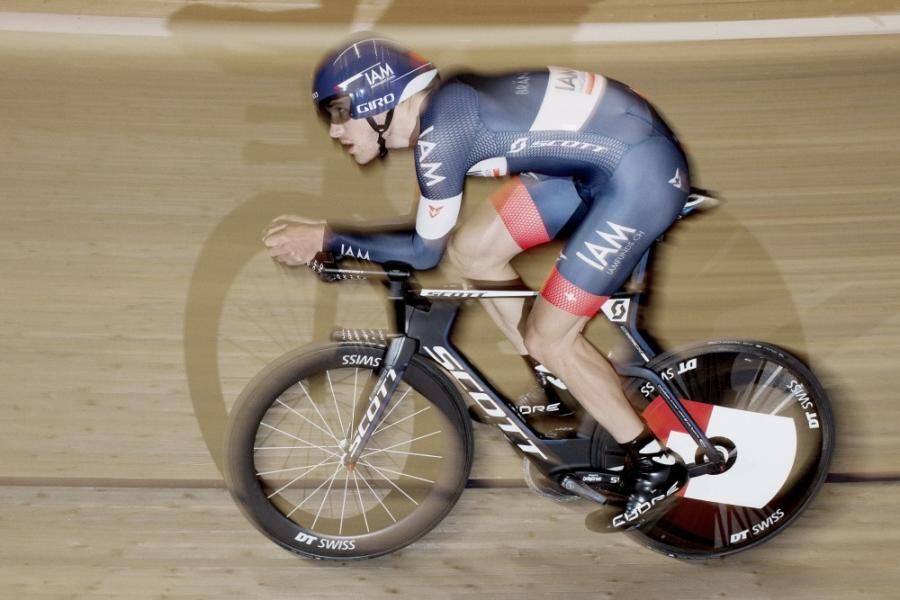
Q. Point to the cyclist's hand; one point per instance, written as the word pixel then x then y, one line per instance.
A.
pixel 293 240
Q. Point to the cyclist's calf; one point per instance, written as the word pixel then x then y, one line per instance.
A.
pixel 553 337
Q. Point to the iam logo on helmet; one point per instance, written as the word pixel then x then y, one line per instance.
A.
pixel 379 73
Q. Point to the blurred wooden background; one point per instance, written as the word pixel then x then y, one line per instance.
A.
pixel 139 172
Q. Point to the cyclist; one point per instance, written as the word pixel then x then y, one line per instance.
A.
pixel 586 155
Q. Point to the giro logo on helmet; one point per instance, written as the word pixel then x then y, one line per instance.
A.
pixel 376 103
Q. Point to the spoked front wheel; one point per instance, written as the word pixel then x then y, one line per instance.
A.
pixel 291 426
pixel 766 412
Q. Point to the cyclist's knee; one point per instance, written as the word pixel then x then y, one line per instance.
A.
pixel 547 345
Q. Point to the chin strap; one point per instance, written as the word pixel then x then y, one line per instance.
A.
pixel 380 129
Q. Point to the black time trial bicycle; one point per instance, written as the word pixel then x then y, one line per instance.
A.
pixel 359 447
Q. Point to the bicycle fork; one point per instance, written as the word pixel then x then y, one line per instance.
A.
pixel 399 353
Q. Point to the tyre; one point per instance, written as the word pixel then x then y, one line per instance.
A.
pixel 765 411
pixel 290 426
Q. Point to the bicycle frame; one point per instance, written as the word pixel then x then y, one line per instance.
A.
pixel 424 319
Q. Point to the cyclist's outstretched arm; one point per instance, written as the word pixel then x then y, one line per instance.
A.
pixel 293 240
pixel 421 247
pixel 404 246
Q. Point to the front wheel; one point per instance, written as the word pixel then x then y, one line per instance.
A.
pixel 292 424
pixel 765 411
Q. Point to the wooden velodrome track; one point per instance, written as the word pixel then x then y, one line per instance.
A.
pixel 138 172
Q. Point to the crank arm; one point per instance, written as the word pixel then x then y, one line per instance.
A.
pixel 399 353
pixel 572 485
pixel 696 470
pixel 598 477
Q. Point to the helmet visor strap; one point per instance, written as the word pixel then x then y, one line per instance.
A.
pixel 380 129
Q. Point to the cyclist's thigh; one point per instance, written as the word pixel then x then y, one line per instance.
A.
pixel 535 208
pixel 639 202
pixel 527 211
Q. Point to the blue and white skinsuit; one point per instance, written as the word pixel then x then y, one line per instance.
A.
pixel 591 157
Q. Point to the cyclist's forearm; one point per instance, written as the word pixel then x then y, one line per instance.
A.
pixel 405 246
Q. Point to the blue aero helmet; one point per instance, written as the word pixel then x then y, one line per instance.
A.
pixel 366 78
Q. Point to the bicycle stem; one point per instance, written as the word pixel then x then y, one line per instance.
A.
pixel 396 360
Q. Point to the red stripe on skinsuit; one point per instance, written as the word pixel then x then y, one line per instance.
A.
pixel 521 217
pixel 562 293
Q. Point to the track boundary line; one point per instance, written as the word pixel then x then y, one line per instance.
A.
pixel 474 483
pixel 581 33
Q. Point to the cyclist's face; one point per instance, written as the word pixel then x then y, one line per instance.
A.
pixel 358 138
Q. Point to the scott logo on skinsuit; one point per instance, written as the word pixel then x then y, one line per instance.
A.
pixel 521 144
pixel 518 145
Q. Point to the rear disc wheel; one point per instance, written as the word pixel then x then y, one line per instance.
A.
pixel 765 410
